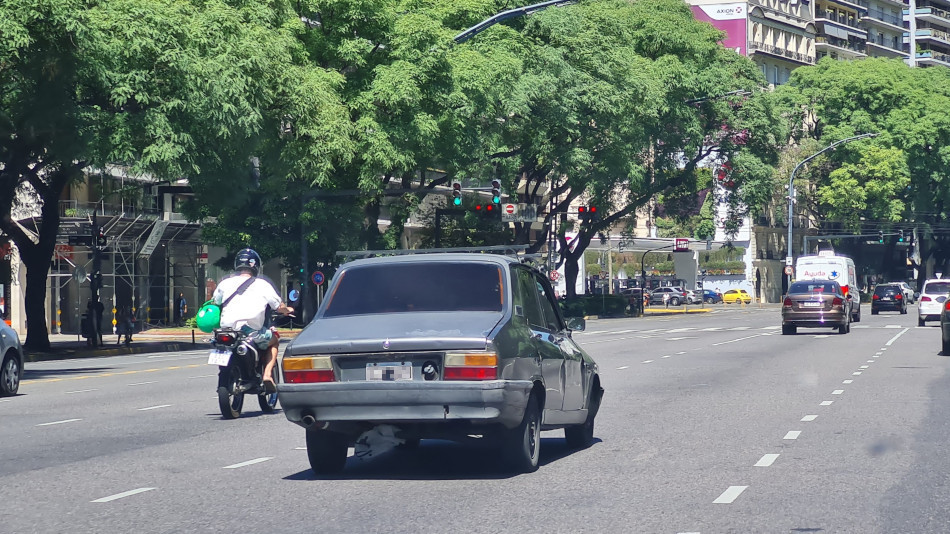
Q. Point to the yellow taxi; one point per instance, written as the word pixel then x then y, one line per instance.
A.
pixel 734 296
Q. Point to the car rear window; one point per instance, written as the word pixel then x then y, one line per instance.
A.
pixel 798 288
pixel 884 290
pixel 937 288
pixel 417 287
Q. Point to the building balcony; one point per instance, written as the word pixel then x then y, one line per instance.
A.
pixel 74 209
pixel 879 18
pixel 933 15
pixel 929 57
pixel 882 50
pixel 841 47
pixel 789 55
pixel 930 34
pixel 856 5
pixel 840 26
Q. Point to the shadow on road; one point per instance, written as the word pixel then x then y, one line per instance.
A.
pixel 35 374
pixel 438 460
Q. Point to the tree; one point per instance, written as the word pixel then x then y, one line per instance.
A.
pixel 169 88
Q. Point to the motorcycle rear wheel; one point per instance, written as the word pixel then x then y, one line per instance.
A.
pixel 268 401
pixel 230 404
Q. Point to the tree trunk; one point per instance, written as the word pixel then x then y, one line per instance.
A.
pixel 37 272
pixel 570 276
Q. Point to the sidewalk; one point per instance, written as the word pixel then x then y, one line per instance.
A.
pixel 69 346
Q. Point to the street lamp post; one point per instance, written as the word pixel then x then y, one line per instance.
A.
pixel 791 190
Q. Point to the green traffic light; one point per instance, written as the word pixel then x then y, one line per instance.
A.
pixel 496 199
pixel 457 201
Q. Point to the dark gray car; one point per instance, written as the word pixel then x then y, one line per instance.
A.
pixel 449 346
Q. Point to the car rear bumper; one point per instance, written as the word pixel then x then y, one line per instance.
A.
pixel 888 305
pixel 815 319
pixel 483 402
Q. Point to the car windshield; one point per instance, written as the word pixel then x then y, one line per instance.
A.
pixel 417 287
pixel 799 288
pixel 937 288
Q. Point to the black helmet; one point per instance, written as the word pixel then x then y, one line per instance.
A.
pixel 248 259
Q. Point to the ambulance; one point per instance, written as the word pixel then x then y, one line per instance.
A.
pixel 827 266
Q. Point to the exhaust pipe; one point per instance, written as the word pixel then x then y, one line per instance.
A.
pixel 309 420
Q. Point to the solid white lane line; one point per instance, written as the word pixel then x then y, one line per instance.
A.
pixel 766 460
pixel 893 339
pixel 154 407
pixel 809 418
pixel 793 434
pixel 81 391
pixel 826 403
pixel 249 462
pixel 730 495
pixel 143 383
pixel 622 367
pixel 847 381
pixel 864 367
pixel 202 376
pixel 856 373
pixel 59 422
pixel 735 340
pixel 740 328
pixel 123 494
pixel 837 392
pixel 647 361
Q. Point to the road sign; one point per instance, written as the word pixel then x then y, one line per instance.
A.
pixel 293 295
pixel 519 213
pixel 554 275
pixel 317 278
pixel 510 208
pixel 681 244
pixel 789 261
pixel 789 270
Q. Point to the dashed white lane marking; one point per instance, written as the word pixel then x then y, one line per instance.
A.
pixel 249 462
pixel 681 352
pixel 878 353
pixel 826 403
pixel 622 367
pixel 154 407
pixel 892 326
pixel 793 434
pixel 81 391
pixel 123 494
pixel 143 383
pixel 202 376
pixel 59 422
pixel 766 460
pixel 667 356
pixel 847 381
pixel 885 348
pixel 837 392
pixel 712 329
pixel 821 336
pixel 893 339
pixel 773 327
pixel 856 373
pixel 300 448
pixel 675 330
pixel 6 400
pixel 735 340
pixel 730 495
pixel 647 361
pixel 864 367
pixel 680 338
pixel 740 328
pixel 870 361
pixel 809 418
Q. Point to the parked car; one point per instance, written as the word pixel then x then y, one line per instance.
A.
pixel 888 297
pixel 711 297
pixel 692 297
pixel 945 330
pixel 816 304
pixel 674 295
pixel 909 294
pixel 11 361
pixel 735 296
pixel 466 347
pixel 932 298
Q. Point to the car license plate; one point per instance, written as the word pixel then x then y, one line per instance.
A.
pixel 219 357
pixel 812 304
pixel 885 298
pixel 389 371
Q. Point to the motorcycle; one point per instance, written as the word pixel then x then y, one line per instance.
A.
pixel 240 372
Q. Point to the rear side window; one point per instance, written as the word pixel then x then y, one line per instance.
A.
pixel 799 288
pixel 937 288
pixel 417 287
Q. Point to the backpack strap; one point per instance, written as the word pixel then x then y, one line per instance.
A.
pixel 241 288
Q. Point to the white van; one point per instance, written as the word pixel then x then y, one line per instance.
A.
pixel 827 266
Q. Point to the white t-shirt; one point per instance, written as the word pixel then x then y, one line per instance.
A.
pixel 249 307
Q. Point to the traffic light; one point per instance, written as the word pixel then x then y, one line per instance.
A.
pixel 487 209
pixel 900 236
pixel 457 193
pixel 496 191
pixel 101 238
pixel 880 236
pixel 587 212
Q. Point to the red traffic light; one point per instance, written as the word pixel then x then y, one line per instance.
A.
pixel 586 210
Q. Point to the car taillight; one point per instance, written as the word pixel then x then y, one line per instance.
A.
pixel 306 370
pixel 898 296
pixel 480 366
pixel 925 299
pixel 837 301
pixel 876 297
pixel 227 339
pixel 946 305
pixel 787 302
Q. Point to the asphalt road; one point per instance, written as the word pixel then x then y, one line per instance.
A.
pixel 711 423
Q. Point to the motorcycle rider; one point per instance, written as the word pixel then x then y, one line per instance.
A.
pixel 246 312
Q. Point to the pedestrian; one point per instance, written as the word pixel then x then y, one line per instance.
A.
pixel 181 309
pixel 100 309
pixel 666 299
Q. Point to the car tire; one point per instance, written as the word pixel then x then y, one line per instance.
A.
pixel 874 312
pixel 845 328
pixel 326 451
pixel 945 346
pixel 710 300
pixel 674 301
pixel 582 436
pixel 904 310
pixel 788 329
pixel 856 318
pixel 522 444
pixel 921 321
pixel 10 372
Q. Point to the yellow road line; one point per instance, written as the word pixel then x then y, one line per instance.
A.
pixel 83 377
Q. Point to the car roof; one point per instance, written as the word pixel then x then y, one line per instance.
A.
pixel 434 257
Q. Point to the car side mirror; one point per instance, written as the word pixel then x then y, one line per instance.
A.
pixel 916 295
pixel 578 324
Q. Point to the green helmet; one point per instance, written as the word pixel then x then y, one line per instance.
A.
pixel 208 317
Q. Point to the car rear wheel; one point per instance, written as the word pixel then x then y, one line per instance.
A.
pixel 904 310
pixel 921 321
pixel 9 376
pixel 710 300
pixel 522 444
pixel 326 451
pixel 945 346
pixel 582 436
pixel 674 301
pixel 874 312
pixel 788 329
pixel 845 328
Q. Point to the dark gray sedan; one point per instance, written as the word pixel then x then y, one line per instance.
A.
pixel 11 361
pixel 816 304
pixel 466 347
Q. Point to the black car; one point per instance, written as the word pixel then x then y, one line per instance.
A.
pixel 888 297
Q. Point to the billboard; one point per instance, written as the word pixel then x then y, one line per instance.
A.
pixel 730 18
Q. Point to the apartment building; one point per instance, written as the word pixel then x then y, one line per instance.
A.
pixel 840 32
pixel 885 25
pixel 928 31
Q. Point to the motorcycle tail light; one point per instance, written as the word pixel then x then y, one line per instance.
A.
pixel 225 338
pixel 308 370
pixel 480 366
